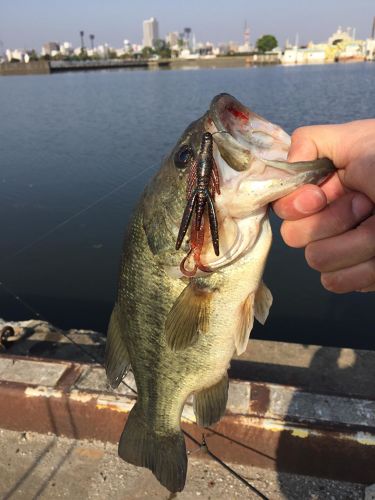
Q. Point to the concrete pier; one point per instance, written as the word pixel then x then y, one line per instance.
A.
pixel 322 429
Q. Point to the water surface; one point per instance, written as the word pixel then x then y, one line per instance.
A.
pixel 67 140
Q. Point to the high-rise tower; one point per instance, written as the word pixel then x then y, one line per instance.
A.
pixel 150 32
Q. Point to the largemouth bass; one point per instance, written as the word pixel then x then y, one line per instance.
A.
pixel 178 332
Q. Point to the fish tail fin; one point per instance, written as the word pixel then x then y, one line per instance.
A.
pixel 117 360
pixel 163 454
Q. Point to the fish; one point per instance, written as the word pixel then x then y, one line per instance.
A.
pixel 177 330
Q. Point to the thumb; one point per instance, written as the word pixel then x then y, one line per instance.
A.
pixel 312 142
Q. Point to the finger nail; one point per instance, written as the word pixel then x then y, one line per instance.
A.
pixel 310 201
pixel 361 206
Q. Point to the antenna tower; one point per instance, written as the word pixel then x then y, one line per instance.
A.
pixel 246 34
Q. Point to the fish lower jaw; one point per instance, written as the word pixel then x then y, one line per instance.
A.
pixel 245 231
pixel 248 230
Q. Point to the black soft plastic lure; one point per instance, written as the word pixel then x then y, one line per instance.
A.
pixel 203 183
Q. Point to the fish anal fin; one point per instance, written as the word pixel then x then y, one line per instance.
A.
pixel 246 321
pixel 117 360
pixel 188 318
pixel 163 453
pixel 263 302
pixel 209 404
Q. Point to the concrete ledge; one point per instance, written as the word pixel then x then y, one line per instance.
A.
pixel 323 370
pixel 267 425
pixel 20 68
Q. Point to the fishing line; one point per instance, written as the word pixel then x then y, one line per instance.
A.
pixel 76 214
pixel 202 445
pixel 62 332
pixel 29 307
pixel 232 471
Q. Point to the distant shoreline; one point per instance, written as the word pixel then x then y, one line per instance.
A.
pixel 48 67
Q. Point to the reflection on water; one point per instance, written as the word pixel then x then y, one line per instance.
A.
pixel 68 140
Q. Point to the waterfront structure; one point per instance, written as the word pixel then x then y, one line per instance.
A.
pixel 103 50
pixel 309 55
pixel 50 49
pixel 370 49
pixel 128 48
pixel 66 49
pixel 16 55
pixel 187 54
pixel 292 55
pixel 341 47
pixel 345 47
pixel 150 32
pixel 340 36
pixel 353 50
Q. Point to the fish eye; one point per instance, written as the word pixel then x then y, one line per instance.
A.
pixel 183 156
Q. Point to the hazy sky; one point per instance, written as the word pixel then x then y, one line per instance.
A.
pixel 30 23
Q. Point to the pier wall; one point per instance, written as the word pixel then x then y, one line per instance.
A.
pixel 30 68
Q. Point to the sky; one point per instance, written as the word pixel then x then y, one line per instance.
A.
pixel 30 23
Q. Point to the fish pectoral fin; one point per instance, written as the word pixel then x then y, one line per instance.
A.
pixel 188 317
pixel 246 321
pixel 209 405
pixel 117 361
pixel 164 453
pixel 263 303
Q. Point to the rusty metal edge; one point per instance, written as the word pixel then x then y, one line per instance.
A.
pixel 253 439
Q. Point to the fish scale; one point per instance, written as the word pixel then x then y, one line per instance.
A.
pixel 179 334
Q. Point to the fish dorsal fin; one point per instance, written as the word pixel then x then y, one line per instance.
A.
pixel 246 321
pixel 263 303
pixel 188 317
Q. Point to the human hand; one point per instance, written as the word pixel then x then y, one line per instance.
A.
pixel 336 221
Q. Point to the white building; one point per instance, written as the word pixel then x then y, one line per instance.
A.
pixel 50 49
pixel 370 49
pixel 172 38
pixel 150 32
pixel 293 55
pixel 19 55
pixel 310 55
pixel 66 48
pixel 127 46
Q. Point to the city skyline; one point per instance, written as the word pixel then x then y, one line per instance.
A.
pixel 30 24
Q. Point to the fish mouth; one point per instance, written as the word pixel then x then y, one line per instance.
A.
pixel 252 154
pixel 242 136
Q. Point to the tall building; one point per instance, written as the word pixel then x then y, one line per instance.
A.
pixel 172 38
pixel 150 32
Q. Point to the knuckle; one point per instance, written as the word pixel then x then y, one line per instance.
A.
pixel 366 233
pixel 300 133
pixel 338 220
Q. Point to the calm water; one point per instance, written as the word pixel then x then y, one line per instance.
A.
pixel 68 140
